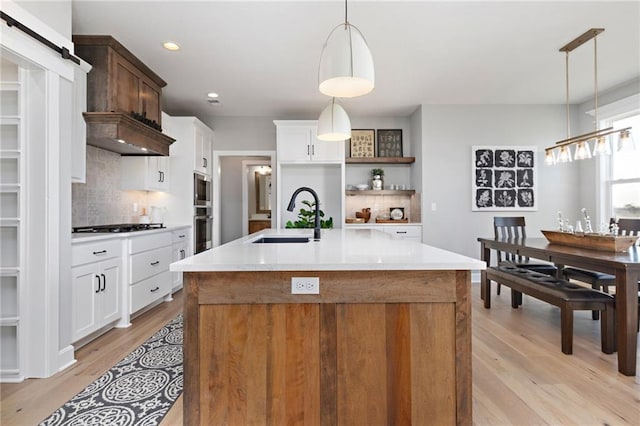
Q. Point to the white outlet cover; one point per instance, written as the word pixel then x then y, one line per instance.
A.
pixel 305 285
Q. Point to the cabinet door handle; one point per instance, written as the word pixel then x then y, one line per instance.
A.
pixel 97 253
pixel 181 236
pixel 98 289
pixel 401 232
pixel 104 282
pixel 153 290
pixel 313 150
pixel 155 263
pixel 308 150
pixel 183 254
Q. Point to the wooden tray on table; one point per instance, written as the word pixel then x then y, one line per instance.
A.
pixel 612 243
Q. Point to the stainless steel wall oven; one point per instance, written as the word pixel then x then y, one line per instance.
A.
pixel 201 190
pixel 202 228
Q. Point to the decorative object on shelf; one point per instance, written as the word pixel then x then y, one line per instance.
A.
pixel 377 179
pixel 365 214
pixel 560 152
pixel 354 220
pixel 346 64
pixel 504 178
pixel 334 123
pixel 306 218
pixel 362 186
pixel 396 213
pixel 389 142
pixel 362 143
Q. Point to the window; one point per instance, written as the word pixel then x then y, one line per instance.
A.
pixel 622 174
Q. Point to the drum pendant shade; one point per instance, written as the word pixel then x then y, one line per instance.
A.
pixel 346 65
pixel 334 123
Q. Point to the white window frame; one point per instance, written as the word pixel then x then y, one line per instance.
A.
pixel 615 111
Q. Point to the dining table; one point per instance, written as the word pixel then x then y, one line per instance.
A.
pixel 625 265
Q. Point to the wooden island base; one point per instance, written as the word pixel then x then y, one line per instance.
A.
pixel 374 348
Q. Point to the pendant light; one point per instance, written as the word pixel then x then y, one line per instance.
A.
pixel 334 123
pixel 346 65
pixel 601 144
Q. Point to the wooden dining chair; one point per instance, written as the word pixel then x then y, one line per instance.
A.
pixel 514 228
pixel 598 280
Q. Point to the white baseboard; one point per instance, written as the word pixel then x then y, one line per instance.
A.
pixel 66 357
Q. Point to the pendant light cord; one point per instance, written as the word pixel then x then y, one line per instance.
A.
pixel 567 86
pixel 595 80
pixel 346 20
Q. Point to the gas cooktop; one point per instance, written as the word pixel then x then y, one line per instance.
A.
pixel 120 227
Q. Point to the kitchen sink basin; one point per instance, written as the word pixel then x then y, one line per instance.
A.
pixel 281 240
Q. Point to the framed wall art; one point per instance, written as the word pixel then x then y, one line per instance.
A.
pixel 362 143
pixel 389 142
pixel 504 178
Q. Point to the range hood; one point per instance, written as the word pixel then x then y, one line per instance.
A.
pixel 123 99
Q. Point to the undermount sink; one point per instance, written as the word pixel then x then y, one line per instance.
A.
pixel 283 239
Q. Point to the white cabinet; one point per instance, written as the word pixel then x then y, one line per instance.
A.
pixel 203 145
pixel 180 248
pixel 145 173
pixel 96 286
pixel 149 278
pixel 297 143
pixel 404 232
pixel 79 132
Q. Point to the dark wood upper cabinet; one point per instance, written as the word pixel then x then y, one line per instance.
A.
pixel 119 83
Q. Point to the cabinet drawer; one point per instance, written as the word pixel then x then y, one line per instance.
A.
pixel 146 264
pixel 148 242
pixel 148 291
pixel 95 251
pixel 413 232
pixel 181 235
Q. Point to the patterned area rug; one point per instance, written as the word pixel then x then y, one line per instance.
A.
pixel 139 390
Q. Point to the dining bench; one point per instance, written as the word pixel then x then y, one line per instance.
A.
pixel 567 296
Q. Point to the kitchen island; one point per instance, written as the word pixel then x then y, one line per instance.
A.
pixel 387 339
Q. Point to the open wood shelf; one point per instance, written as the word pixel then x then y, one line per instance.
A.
pixel 380 160
pixel 380 192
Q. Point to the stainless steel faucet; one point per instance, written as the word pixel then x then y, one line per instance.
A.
pixel 292 204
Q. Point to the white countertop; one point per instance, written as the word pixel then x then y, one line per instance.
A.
pixel 338 249
pixel 86 237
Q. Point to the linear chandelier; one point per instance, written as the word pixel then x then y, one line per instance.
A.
pixel 560 152
pixel 345 71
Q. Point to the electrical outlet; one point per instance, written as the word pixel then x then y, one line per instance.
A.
pixel 305 285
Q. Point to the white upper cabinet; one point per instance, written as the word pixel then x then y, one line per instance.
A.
pixel 203 144
pixel 145 173
pixel 79 130
pixel 297 143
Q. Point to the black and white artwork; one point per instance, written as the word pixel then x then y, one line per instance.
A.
pixel 504 178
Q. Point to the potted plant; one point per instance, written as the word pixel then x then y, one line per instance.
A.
pixel 306 218
pixel 377 179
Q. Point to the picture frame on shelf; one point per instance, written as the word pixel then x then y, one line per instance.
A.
pixel 362 143
pixel 389 142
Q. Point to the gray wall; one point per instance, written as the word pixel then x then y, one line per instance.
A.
pixel 57 14
pixel 449 132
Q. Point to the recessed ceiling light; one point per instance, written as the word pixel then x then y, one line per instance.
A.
pixel 212 95
pixel 169 45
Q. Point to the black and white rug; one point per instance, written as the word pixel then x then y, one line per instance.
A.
pixel 139 390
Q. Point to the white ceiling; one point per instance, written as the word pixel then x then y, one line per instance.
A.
pixel 262 56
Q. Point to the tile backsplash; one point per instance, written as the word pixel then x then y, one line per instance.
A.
pixel 99 201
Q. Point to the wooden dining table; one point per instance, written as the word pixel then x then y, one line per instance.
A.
pixel 624 265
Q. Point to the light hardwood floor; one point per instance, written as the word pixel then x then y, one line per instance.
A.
pixel 520 376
